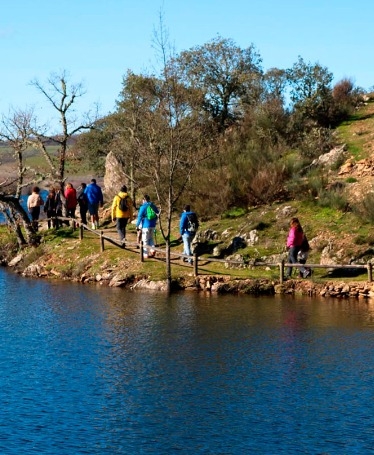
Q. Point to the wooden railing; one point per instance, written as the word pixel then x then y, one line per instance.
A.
pixel 281 265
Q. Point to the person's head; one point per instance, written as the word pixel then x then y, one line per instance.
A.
pixel 36 189
pixel 124 189
pixel 93 180
pixel 146 198
pixel 83 185
pixel 52 193
pixel 295 223
pixel 69 185
pixel 187 208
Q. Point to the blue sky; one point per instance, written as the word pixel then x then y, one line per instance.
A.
pixel 97 41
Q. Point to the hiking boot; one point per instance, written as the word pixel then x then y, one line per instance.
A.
pixel 306 273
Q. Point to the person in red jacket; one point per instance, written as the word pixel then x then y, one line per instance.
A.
pixel 71 200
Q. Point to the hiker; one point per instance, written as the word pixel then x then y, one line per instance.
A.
pixel 83 203
pixel 147 219
pixel 50 208
pixel 122 211
pixel 71 200
pixel 95 199
pixel 188 226
pixel 60 207
pixel 34 201
pixel 294 241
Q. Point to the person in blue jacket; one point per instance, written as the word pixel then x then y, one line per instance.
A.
pixel 188 226
pixel 95 199
pixel 146 221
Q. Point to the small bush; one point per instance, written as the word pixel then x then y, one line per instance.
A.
pixel 33 255
pixel 351 180
pixel 235 212
pixel 334 198
pixel 261 226
pixel 365 209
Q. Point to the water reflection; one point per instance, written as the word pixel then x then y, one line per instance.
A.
pixel 105 371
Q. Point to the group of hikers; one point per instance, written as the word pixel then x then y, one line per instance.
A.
pixel 63 204
pixel 146 220
pixel 90 197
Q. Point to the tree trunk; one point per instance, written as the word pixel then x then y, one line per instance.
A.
pixel 168 266
pixel 13 203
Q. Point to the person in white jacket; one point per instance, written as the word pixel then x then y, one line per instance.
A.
pixel 34 202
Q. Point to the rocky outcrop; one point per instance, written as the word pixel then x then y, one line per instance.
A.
pixel 114 176
pixel 331 158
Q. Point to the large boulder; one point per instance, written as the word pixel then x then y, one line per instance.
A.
pixel 114 176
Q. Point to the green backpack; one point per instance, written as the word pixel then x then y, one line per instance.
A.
pixel 150 213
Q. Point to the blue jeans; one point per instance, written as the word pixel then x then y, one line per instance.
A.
pixel 292 259
pixel 121 227
pixel 187 240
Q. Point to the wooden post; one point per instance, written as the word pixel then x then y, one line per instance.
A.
pixel 81 231
pixel 281 272
pixel 370 272
pixel 195 265
pixel 141 251
pixel 101 241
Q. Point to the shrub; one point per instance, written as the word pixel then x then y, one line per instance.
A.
pixel 365 208
pixel 334 198
pixel 235 212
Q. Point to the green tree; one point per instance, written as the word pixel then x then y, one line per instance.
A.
pixel 93 146
pixel 346 98
pixel 311 92
pixel 227 76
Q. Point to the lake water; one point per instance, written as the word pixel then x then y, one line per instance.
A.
pixel 91 370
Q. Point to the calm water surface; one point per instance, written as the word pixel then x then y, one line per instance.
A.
pixel 86 370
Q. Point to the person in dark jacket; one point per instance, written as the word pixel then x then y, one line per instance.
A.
pixel 50 208
pixel 83 203
pixel 188 226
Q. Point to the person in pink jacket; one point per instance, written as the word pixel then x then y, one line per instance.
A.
pixel 294 241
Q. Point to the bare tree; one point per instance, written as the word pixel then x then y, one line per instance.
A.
pixel 21 131
pixel 172 134
pixel 62 96
pixel 16 129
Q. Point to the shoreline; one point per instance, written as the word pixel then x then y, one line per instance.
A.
pixel 215 284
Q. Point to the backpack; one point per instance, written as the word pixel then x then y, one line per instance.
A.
pixel 192 223
pixel 150 213
pixel 123 203
pixel 304 244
